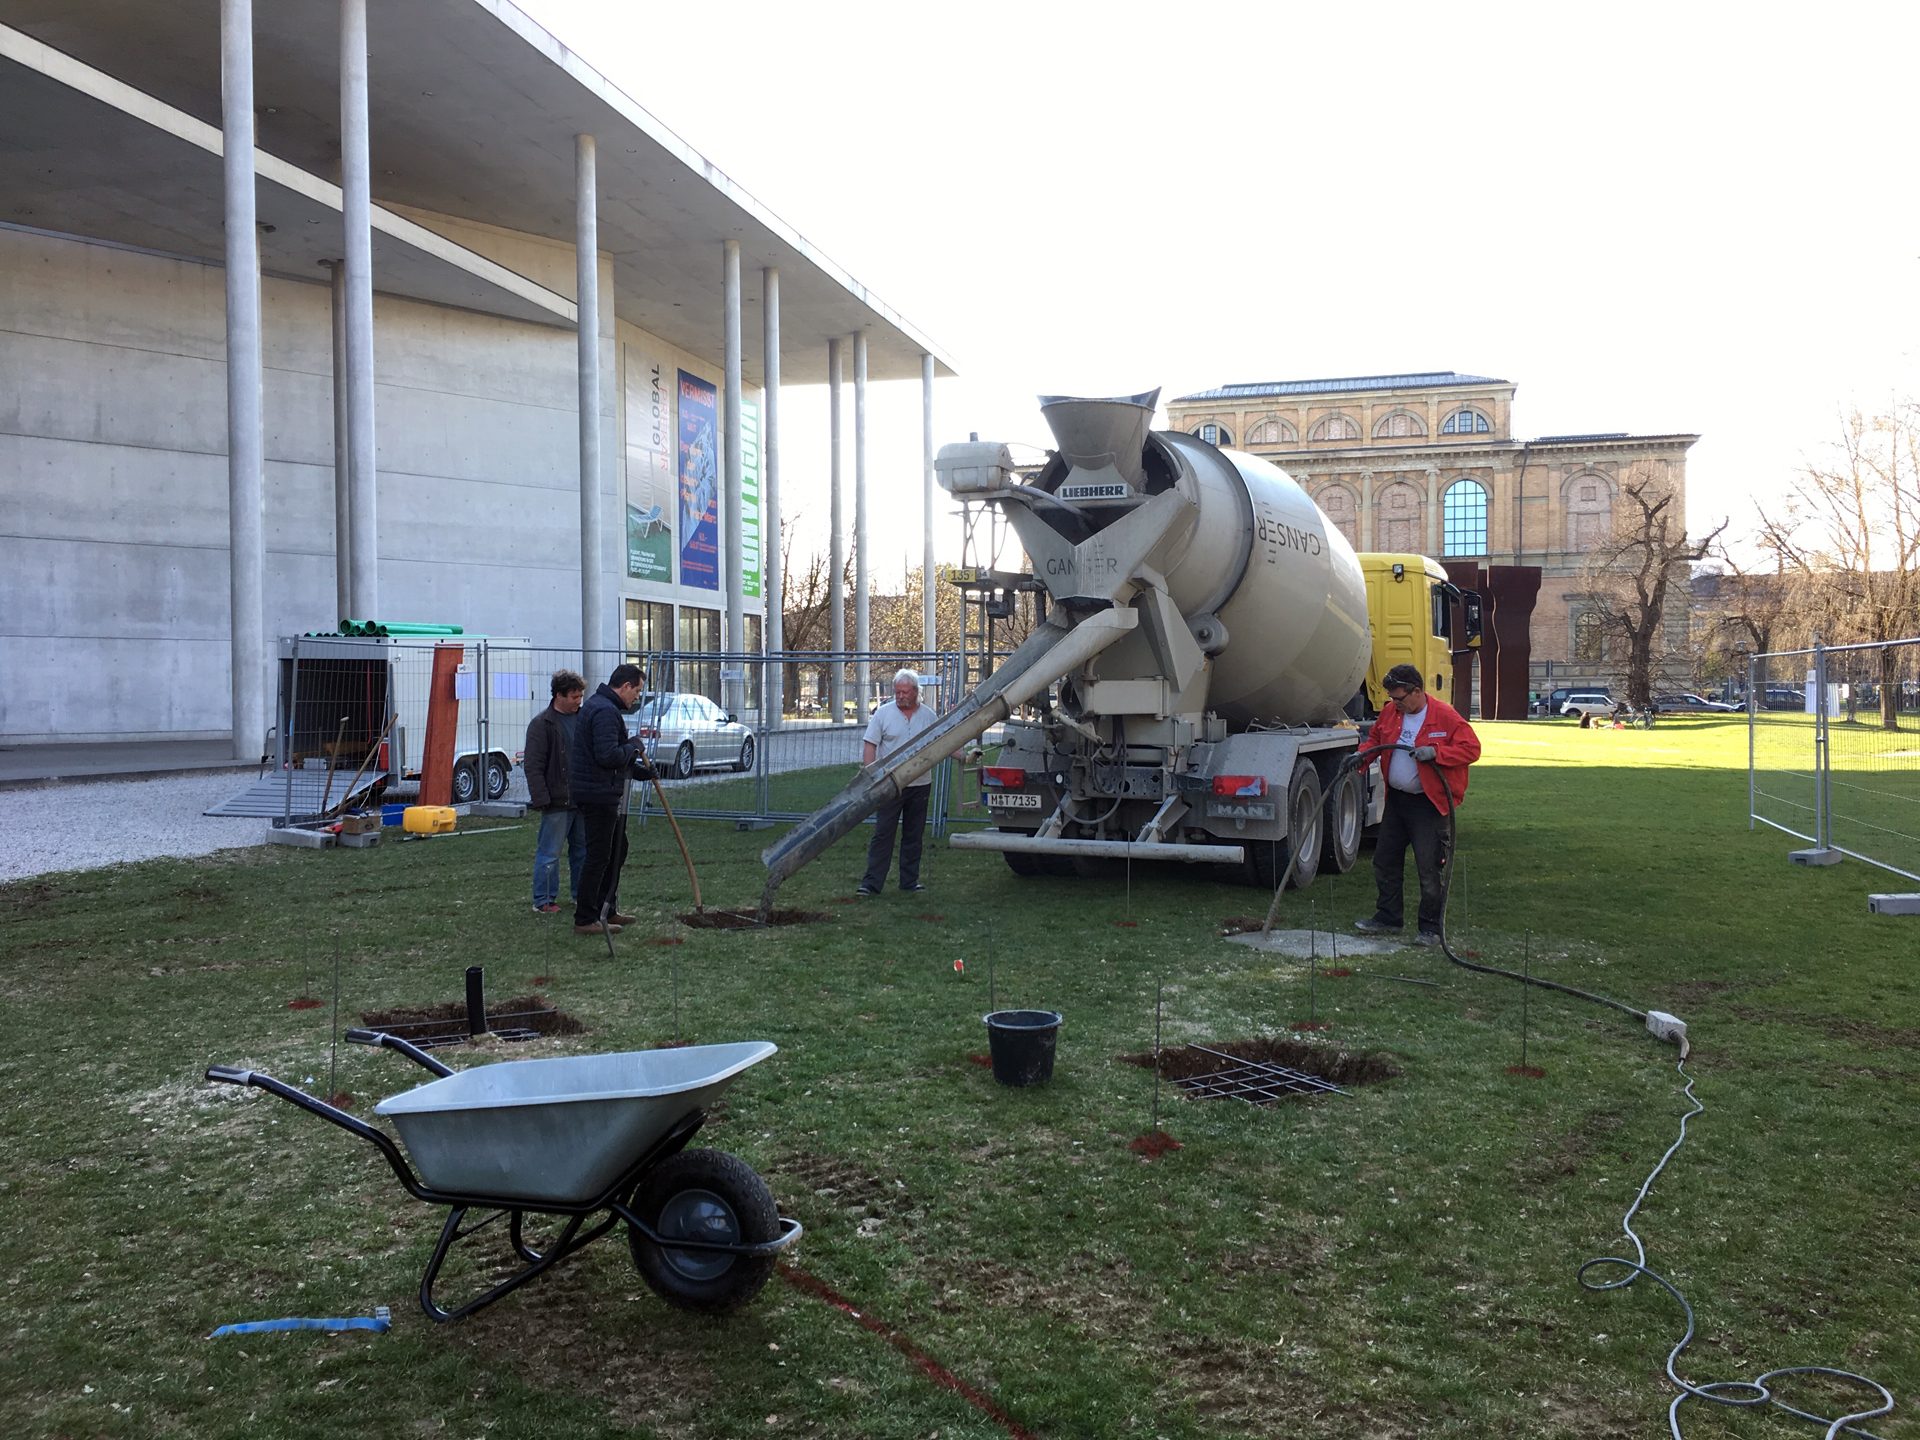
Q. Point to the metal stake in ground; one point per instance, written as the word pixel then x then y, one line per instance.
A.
pixel 1159 986
pixel 333 1062
pixel 1526 970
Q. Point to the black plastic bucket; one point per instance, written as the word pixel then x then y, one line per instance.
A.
pixel 1021 1042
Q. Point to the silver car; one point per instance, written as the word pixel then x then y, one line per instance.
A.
pixel 685 733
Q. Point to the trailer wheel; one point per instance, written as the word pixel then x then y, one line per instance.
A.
pixel 466 781
pixel 1345 820
pixel 496 776
pixel 704 1195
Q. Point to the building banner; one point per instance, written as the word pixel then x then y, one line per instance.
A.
pixel 699 484
pixel 650 469
pixel 750 499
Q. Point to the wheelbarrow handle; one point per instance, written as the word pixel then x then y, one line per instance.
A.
pixel 381 1040
pixel 293 1095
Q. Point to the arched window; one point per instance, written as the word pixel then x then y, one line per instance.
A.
pixel 1396 518
pixel 1213 433
pixel 1334 427
pixel 1342 511
pixel 1589 637
pixel 1588 499
pixel 1465 421
pixel 1400 425
pixel 1273 431
pixel 1463 519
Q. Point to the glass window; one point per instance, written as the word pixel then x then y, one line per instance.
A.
pixel 1589 640
pixel 1463 518
pixel 1465 422
pixel 648 631
pixel 1214 434
pixel 700 631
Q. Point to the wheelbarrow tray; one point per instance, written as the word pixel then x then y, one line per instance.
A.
pixel 562 1130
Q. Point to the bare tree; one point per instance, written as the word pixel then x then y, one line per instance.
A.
pixel 1630 574
pixel 1745 611
pixel 1850 526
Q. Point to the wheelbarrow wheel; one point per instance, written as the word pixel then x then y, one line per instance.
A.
pixel 704 1195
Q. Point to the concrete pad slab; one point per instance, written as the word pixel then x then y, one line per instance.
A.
pixel 301 839
pixel 1302 943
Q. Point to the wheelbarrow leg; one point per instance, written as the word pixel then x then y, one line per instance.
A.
pixel 571 1238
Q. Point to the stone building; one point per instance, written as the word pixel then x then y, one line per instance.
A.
pixel 1429 463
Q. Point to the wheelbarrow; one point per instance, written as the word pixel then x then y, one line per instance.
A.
pixel 589 1141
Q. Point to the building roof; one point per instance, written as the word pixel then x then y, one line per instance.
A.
pixel 1426 380
pixel 1605 437
pixel 472 113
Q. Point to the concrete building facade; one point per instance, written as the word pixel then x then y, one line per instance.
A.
pixel 1429 463
pixel 494 504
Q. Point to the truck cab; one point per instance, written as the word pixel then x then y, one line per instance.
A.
pixel 1410 604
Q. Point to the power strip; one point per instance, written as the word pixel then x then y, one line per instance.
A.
pixel 1670 1028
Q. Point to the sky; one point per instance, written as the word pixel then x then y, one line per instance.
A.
pixel 1652 218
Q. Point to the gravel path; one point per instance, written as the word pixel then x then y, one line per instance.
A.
pixel 86 825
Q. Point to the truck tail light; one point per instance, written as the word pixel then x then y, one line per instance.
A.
pixel 385 764
pixel 1238 785
pixel 1007 777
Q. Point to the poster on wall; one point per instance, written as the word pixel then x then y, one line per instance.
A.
pixel 650 469
pixel 699 485
pixel 750 499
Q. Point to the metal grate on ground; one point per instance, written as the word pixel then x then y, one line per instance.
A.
pixel 1258 1082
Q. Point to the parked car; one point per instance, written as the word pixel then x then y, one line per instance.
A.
pixel 1557 699
pixel 685 733
pixel 1681 702
pixel 1782 697
pixel 1594 703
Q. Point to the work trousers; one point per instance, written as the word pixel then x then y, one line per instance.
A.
pixel 1411 819
pixel 909 815
pixel 557 828
pixel 606 853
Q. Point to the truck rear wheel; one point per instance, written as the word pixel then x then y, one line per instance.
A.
pixel 1345 820
pixel 1305 823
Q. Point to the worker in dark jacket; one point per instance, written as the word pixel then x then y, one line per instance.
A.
pixel 600 768
pixel 546 759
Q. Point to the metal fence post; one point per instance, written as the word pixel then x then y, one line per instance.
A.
pixel 1822 752
pixel 287 733
pixel 1753 719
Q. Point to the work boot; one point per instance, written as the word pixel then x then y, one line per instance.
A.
pixel 616 919
pixel 1374 925
pixel 1428 938
pixel 596 928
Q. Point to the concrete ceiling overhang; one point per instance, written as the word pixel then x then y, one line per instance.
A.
pixel 473 110
pixel 151 178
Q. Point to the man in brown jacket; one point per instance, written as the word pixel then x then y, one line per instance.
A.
pixel 549 738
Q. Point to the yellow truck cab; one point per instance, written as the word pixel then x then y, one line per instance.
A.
pixel 1410 608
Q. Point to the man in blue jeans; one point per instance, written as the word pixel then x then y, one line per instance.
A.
pixel 549 739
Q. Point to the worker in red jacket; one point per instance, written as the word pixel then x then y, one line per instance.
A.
pixel 1420 798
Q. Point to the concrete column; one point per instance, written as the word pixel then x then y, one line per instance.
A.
pixel 927 582
pixel 356 216
pixel 772 580
pixel 246 485
pixel 342 451
pixel 1366 510
pixel 862 536
pixel 586 259
pixel 734 481
pixel 836 587
pixel 1433 511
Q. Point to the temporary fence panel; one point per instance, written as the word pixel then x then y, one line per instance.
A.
pixel 1783 763
pixel 1834 749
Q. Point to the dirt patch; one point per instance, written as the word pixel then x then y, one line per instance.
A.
pixel 985 1062
pixel 1153 1144
pixel 31 896
pixel 1242 924
pixel 930 917
pixel 523 1012
pixel 1527 1072
pixel 1308 1026
pixel 1835 1027
pixel 749 919
pixel 856 1192
pixel 1341 1067
pixel 1563 1154
pixel 668 940
pixel 305 1002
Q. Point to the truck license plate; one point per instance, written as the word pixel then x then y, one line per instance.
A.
pixel 1014 801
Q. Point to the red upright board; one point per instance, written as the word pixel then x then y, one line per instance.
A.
pixel 443 721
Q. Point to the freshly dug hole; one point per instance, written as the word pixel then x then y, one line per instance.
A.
pixel 1339 1067
pixel 523 1012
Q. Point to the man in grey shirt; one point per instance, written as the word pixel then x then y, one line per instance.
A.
pixel 549 738
pixel 892 726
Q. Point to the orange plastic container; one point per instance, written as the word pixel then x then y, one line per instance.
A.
pixel 427 819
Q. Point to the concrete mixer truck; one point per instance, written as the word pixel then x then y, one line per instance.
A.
pixel 1192 692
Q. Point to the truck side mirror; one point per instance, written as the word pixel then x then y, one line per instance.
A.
pixel 1470 608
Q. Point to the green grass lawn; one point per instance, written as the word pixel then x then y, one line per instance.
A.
pixel 1396 1262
